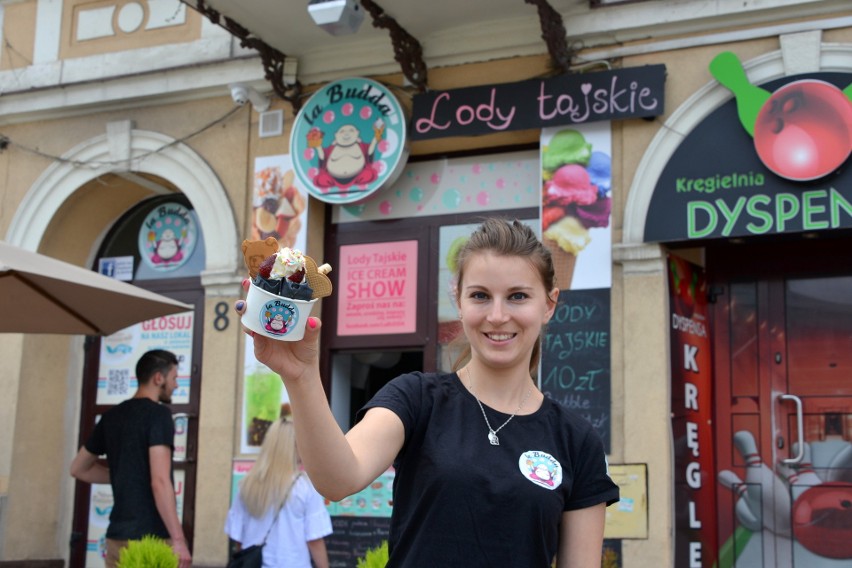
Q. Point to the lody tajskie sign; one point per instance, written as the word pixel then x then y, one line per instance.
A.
pixel 539 103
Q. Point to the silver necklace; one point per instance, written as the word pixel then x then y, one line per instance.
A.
pixel 492 433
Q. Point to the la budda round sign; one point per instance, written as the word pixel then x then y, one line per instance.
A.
pixel 349 140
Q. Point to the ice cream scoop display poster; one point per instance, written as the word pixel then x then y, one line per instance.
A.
pixel 280 211
pixel 349 140
pixel 577 204
pixel 279 202
pixel 575 221
pixel 264 400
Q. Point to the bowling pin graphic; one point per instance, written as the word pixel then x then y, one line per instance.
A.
pixel 765 491
pixel 840 466
pixel 728 70
pixel 747 518
pixel 803 477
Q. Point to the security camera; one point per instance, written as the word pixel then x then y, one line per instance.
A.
pixel 240 94
pixel 337 17
pixel 243 94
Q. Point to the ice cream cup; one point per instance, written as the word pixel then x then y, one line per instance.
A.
pixel 276 316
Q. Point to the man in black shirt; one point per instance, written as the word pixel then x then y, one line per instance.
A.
pixel 137 437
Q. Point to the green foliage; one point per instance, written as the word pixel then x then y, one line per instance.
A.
pixel 375 557
pixel 150 552
pixel 263 396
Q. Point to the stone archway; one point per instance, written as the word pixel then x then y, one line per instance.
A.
pixel 124 149
pixel 50 395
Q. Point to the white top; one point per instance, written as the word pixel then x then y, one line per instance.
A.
pixel 303 518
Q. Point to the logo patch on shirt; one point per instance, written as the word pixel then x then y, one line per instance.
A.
pixel 541 468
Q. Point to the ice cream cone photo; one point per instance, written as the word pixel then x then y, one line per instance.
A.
pixel 563 264
pixel 576 184
pixel 565 239
pixel 278 205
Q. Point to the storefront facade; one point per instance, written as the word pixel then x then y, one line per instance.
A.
pixel 708 307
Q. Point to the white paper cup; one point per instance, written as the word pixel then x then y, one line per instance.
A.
pixel 276 316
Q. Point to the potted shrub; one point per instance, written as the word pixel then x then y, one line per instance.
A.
pixel 150 552
pixel 375 557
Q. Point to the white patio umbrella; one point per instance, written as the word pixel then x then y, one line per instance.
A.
pixel 40 294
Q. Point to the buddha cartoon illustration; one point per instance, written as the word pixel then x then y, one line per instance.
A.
pixel 347 160
pixel 167 249
pixel 277 324
pixel 541 473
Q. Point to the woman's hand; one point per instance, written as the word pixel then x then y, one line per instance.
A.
pixel 293 360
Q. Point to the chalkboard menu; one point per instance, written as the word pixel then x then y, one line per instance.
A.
pixel 576 363
pixel 352 537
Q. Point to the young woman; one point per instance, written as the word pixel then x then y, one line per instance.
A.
pixel 277 506
pixel 489 471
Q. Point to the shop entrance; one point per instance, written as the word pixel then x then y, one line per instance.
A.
pixel 109 370
pixel 783 362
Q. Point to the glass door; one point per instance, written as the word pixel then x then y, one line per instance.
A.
pixel 784 432
pixel 815 418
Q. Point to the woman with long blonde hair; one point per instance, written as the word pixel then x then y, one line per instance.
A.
pixel 277 506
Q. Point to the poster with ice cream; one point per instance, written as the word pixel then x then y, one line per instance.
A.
pixel 279 204
pixel 576 183
pixel 279 209
pixel 264 400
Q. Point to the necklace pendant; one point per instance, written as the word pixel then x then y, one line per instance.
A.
pixel 492 437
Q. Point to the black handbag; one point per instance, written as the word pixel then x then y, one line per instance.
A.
pixel 251 557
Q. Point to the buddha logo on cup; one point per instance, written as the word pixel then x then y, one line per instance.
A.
pixel 167 237
pixel 279 317
pixel 349 140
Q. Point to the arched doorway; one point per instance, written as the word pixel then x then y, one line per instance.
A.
pixel 781 325
pixel 68 213
pixel 158 245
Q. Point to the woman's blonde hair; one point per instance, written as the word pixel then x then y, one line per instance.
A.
pixel 505 238
pixel 271 477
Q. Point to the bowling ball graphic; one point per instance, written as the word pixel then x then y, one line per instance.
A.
pixel 822 520
pixel 804 130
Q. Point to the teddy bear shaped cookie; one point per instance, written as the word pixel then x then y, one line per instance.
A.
pixel 285 272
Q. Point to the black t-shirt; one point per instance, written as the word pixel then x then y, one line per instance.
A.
pixel 124 434
pixel 459 501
